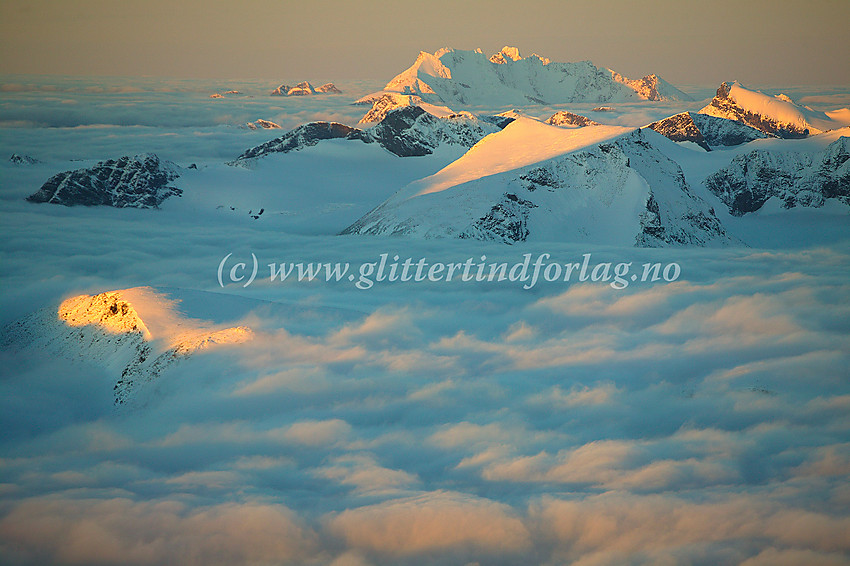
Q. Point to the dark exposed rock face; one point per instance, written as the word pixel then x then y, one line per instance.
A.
pixel 723 132
pixel 128 182
pixel 498 121
pixel 564 118
pixel 506 222
pixel 299 138
pixel 680 128
pixel 674 215
pixel 407 131
pixel 706 131
pixel 401 132
pixel 798 179
pixel 723 103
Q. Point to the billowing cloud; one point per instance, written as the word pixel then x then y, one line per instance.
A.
pixel 121 531
pixel 432 523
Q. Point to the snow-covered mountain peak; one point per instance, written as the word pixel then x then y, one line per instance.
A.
pixel 778 115
pixel 506 54
pixel 460 78
pixel 650 87
pixel 523 142
pixel 390 101
pixel 533 181
pixel 110 311
pixel 133 333
pixel 149 312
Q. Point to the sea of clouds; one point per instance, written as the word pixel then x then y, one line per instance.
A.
pixel 702 421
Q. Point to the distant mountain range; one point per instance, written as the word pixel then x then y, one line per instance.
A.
pixel 305 89
pixel 463 78
pixel 522 179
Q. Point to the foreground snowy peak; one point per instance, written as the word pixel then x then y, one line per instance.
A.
pixel 792 178
pixel 135 334
pixel 777 115
pixel 458 78
pixel 129 182
pixel 706 131
pixel 533 181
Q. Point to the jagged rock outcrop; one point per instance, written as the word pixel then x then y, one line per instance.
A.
pixel 328 88
pixel 23 160
pixel 564 118
pixel 410 131
pixel 303 136
pixel 305 89
pixel 129 182
pixel 650 87
pixel 260 124
pixel 507 221
pixel 795 178
pixel 706 131
pixel 386 103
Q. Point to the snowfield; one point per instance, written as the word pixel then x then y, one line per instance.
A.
pixel 152 415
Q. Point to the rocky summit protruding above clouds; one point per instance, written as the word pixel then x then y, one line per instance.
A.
pixel 564 118
pixel 411 131
pixel 794 178
pixel 305 89
pixel 303 136
pixel 406 131
pixel 387 102
pixel 23 160
pixel 605 184
pixel 260 124
pixel 129 182
pixel 136 333
pixel 706 131
pixel 776 115
pixel 462 78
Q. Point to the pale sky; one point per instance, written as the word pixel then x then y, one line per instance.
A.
pixel 763 42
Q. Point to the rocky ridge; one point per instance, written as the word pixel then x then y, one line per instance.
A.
pixel 141 181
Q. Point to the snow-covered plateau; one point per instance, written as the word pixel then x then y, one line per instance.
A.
pixel 226 343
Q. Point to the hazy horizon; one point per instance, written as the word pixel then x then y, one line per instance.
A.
pixel 760 42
